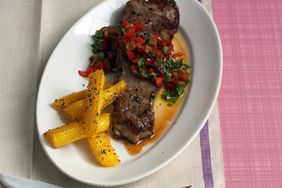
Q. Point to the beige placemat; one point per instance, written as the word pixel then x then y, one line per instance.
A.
pixel 19 65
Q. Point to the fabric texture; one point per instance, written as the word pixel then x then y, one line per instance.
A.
pixel 250 100
pixel 19 64
pixel 200 165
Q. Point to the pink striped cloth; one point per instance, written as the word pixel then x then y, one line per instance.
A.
pixel 250 101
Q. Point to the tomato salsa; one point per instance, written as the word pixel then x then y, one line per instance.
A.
pixel 151 57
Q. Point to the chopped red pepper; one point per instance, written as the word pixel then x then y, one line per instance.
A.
pixel 165 43
pixel 161 71
pixel 135 61
pixel 83 74
pixel 134 68
pixel 139 40
pixel 155 37
pixel 175 80
pixel 140 50
pixel 171 48
pixel 158 81
pixel 138 26
pixel 149 61
pixel 131 32
pixel 127 40
pixel 171 85
pixel 86 73
pixel 183 76
pixel 155 47
pixel 151 70
pixel 125 23
pixel 159 53
pixel 99 65
pixel 130 55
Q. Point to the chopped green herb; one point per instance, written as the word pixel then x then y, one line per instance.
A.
pixel 167 73
pixel 141 62
pixel 165 49
pixel 180 90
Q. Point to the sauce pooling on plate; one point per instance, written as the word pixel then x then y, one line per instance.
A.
pixel 165 112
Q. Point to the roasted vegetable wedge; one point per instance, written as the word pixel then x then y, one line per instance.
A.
pixel 94 101
pixel 64 135
pixel 69 99
pixel 84 110
pixel 65 101
pixel 110 94
pixel 75 110
pixel 74 131
pixel 102 150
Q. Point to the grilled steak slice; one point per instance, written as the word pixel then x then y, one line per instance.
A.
pixel 157 16
pixel 133 115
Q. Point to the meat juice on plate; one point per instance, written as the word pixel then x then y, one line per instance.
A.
pixel 165 112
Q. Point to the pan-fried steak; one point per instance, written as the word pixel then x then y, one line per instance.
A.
pixel 157 16
pixel 133 115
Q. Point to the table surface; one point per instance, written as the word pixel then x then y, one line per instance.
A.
pixel 250 101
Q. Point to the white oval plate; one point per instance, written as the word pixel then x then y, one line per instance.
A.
pixel 60 78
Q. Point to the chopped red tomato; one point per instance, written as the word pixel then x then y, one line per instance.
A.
pixel 151 70
pixel 149 61
pixel 125 23
pixel 130 55
pixel 171 85
pixel 139 40
pixel 166 43
pixel 99 65
pixel 158 81
pixel 138 26
pixel 183 76
pixel 131 32
pixel 155 37
pixel 134 68
pixel 135 61
pixel 161 71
